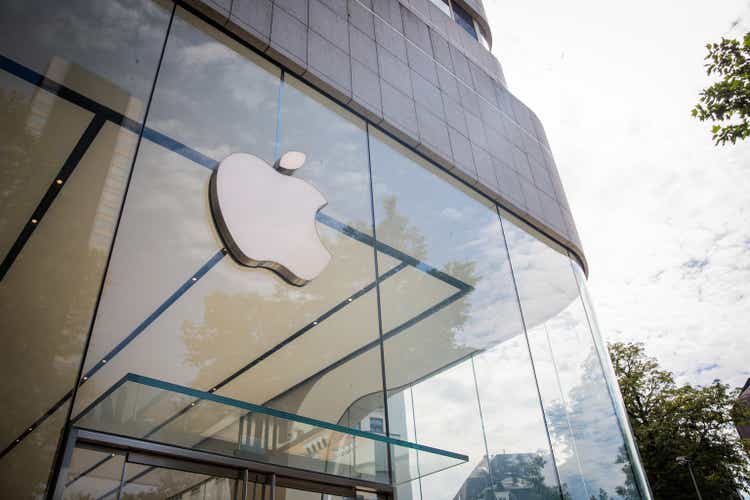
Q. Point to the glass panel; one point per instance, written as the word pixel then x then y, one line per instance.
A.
pixel 201 420
pixel 93 474
pixel 94 46
pixel 156 483
pixel 586 436
pixel 453 300
pixel 520 459
pixel 335 144
pixel 636 482
pixel 64 165
pixel 214 96
pixel 176 308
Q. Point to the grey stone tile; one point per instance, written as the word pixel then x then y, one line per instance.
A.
pixel 448 84
pixel 560 195
pixel 433 136
pixel 549 164
pixel 521 163
pixel 440 50
pixel 491 116
pixel 395 72
pixel 532 147
pixel 485 169
pixel 454 114
pixel 471 47
pixel 399 114
pixel 520 112
pixel 390 10
pixel 531 195
pixel 514 132
pixel 329 25
pixel 338 6
pixel 438 18
pixel 297 8
pixel 541 177
pixel 572 229
pixel 469 99
pixel 502 96
pixel 463 157
pixel 454 35
pixel 461 66
pixel 499 146
pixel 361 18
pixel 500 74
pixel 489 63
pixel 552 213
pixel 328 66
pixel 476 130
pixel 366 92
pixel 390 39
pixel 420 6
pixel 288 40
pixel 510 184
pixel 218 10
pixel 538 128
pixel 363 49
pixel 421 63
pixel 251 20
pixel 427 94
pixel 416 31
pixel 482 83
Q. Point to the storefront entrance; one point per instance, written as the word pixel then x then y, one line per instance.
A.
pixel 101 466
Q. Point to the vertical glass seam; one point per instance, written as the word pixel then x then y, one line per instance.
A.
pixel 531 357
pixel 481 421
pixel 386 415
pixel 567 415
pixel 54 472
pixel 416 438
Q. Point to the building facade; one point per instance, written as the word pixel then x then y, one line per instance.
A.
pixel 446 350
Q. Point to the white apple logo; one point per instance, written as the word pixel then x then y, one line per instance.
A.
pixel 267 218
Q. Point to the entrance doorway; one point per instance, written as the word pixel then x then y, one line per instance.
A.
pixel 101 466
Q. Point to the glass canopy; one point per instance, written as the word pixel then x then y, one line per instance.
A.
pixel 145 408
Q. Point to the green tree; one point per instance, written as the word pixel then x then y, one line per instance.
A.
pixel 671 420
pixel 726 103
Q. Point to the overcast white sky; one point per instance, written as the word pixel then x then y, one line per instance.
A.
pixel 664 215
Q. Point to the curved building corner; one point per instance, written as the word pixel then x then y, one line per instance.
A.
pixel 289 249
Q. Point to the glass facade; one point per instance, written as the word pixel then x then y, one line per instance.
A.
pixel 440 319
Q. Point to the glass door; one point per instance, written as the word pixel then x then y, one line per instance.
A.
pixel 147 479
pixel 98 472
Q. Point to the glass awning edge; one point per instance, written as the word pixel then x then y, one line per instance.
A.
pixel 156 410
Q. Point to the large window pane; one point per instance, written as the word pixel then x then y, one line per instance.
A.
pixel 639 482
pixel 176 308
pixel 586 437
pixel 100 46
pixel 450 304
pixel 520 459
pixel 65 159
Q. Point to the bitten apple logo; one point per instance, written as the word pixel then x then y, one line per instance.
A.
pixel 267 218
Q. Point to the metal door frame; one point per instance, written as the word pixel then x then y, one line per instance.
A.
pixel 173 457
